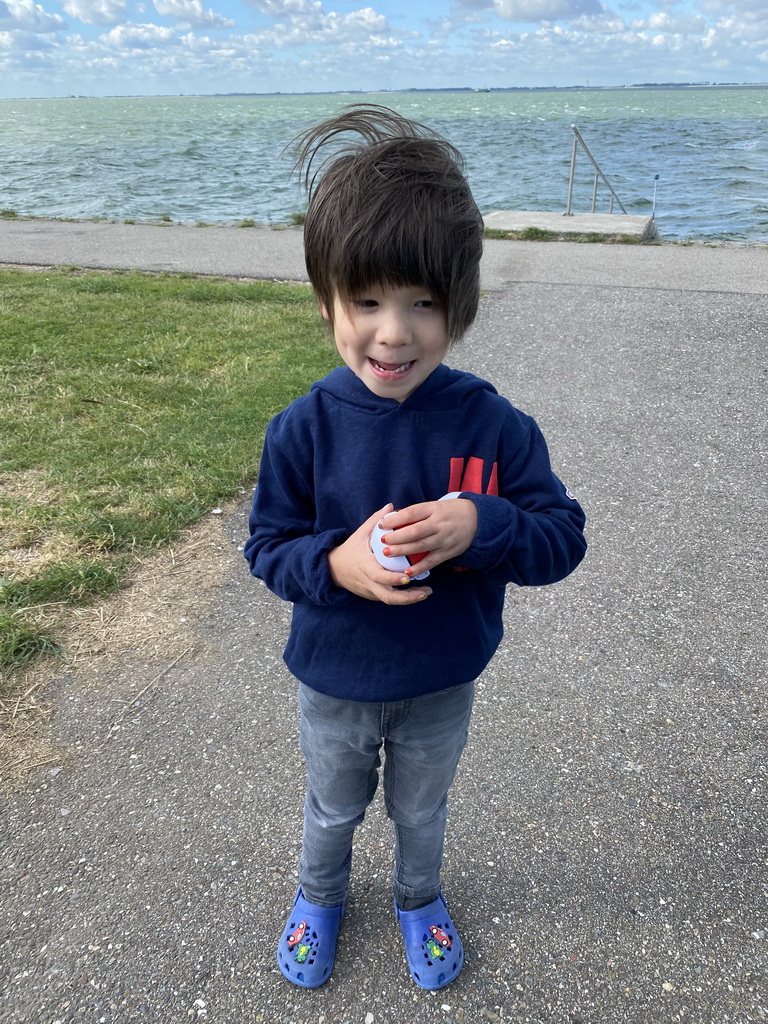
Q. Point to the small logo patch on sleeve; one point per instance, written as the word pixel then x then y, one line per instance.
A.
pixel 569 494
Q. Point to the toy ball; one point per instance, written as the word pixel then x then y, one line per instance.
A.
pixel 399 563
pixel 395 563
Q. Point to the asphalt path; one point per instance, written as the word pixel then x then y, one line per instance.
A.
pixel 606 857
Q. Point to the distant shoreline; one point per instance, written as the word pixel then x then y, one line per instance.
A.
pixel 635 87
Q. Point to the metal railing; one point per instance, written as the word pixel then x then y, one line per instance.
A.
pixel 579 141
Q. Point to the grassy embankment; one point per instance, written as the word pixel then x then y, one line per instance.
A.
pixel 543 235
pixel 130 406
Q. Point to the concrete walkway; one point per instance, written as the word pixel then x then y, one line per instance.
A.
pixel 277 255
pixel 606 857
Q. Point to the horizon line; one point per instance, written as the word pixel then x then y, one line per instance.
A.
pixel 368 92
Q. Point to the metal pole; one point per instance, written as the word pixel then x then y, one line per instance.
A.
pixel 570 183
pixel 596 166
pixel 653 211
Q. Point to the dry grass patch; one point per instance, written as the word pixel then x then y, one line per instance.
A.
pixel 24 546
pixel 153 619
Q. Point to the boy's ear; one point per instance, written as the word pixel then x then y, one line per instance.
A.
pixel 324 311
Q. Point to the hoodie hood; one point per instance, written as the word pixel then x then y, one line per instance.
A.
pixel 443 389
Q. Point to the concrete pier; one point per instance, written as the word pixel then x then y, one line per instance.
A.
pixel 643 228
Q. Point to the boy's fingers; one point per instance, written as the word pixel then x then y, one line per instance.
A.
pixel 409 515
pixel 397 588
pixel 405 596
pixel 408 541
pixel 371 521
pixel 395 546
pixel 414 536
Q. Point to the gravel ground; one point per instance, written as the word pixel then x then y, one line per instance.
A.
pixel 606 858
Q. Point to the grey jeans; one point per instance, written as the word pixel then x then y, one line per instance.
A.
pixel 341 740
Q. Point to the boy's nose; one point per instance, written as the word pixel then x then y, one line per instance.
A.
pixel 394 329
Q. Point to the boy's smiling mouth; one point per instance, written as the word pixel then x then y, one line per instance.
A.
pixel 391 367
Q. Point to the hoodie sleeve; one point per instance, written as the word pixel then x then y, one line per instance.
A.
pixel 530 534
pixel 283 548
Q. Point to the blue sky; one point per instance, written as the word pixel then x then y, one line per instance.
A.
pixel 139 47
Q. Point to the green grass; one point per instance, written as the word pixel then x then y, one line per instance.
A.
pixel 532 234
pixel 22 643
pixel 130 405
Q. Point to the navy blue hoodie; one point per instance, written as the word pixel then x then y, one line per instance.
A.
pixel 339 453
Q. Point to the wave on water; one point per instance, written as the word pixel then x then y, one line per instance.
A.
pixel 747 144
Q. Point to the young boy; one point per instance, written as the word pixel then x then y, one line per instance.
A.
pixel 393 241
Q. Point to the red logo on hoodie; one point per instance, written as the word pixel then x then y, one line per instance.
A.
pixel 470 477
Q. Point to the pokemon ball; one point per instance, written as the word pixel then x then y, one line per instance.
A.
pixel 399 563
pixel 395 563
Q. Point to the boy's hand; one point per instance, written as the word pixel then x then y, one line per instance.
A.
pixel 443 528
pixel 353 566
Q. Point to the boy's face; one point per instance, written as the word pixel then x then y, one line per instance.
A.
pixel 392 338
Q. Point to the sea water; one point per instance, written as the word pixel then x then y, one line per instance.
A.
pixel 223 158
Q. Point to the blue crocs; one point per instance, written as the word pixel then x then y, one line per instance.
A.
pixel 432 945
pixel 307 947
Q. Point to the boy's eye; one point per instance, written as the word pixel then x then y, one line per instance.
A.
pixel 425 303
pixel 366 303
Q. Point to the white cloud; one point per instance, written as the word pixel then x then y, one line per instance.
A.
pixel 746 7
pixel 385 42
pixel 544 10
pixel 191 12
pixel 130 36
pixel 306 18
pixel 289 8
pixel 22 41
pixel 744 23
pixel 662 21
pixel 746 30
pixel 29 17
pixel 605 21
pixel 308 12
pixel 26 54
pixel 346 44
pixel 96 12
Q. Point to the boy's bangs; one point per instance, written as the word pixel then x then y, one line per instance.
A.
pixel 403 255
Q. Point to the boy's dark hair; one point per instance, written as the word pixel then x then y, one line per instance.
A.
pixel 390 205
